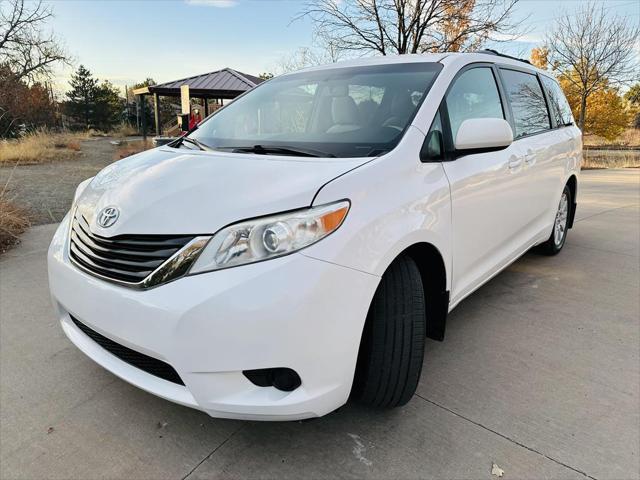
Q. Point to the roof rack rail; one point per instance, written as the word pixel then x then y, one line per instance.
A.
pixel 488 51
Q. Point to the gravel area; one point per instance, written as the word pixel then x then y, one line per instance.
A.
pixel 46 190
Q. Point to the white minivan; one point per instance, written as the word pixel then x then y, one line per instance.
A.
pixel 298 247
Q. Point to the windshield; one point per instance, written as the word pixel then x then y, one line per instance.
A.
pixel 340 112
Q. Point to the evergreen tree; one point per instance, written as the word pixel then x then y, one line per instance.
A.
pixel 82 96
pixel 92 104
pixel 108 109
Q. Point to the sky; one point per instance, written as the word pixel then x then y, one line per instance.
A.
pixel 126 41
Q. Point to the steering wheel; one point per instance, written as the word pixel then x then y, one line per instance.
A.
pixel 388 123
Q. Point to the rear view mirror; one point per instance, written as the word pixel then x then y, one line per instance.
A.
pixel 483 134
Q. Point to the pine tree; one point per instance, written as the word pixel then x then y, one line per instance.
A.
pixel 108 108
pixel 82 96
pixel 93 104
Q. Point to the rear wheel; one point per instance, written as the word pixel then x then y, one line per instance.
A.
pixel 392 346
pixel 555 242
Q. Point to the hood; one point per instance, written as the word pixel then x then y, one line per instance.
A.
pixel 168 191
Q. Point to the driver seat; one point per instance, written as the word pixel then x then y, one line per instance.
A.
pixel 345 115
pixel 401 109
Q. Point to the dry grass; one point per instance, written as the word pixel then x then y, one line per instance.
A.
pixel 623 152
pixel 131 148
pixel 92 132
pixel 13 221
pixel 40 147
pixel 629 138
pixel 611 159
pixel 124 130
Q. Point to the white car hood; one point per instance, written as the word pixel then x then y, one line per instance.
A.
pixel 168 191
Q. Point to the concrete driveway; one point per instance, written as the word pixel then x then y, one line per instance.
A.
pixel 539 374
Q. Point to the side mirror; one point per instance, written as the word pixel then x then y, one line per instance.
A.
pixel 483 135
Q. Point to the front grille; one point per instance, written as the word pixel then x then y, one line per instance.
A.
pixel 151 365
pixel 125 258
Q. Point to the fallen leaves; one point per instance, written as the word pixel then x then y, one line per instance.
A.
pixel 496 470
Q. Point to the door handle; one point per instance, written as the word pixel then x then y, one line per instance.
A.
pixel 514 163
pixel 530 159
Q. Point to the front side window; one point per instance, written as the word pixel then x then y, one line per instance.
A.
pixel 559 105
pixel 339 112
pixel 473 95
pixel 433 145
pixel 529 108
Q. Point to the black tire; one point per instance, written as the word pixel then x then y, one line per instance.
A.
pixel 392 347
pixel 552 245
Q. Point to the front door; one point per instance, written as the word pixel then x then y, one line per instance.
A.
pixel 487 189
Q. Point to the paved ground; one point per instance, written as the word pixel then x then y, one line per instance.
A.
pixel 539 373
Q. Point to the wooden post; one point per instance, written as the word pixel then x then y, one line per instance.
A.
pixel 156 113
pixel 184 99
pixel 206 107
pixel 143 114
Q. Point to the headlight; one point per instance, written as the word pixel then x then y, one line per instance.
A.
pixel 269 237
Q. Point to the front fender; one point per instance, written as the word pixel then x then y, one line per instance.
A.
pixel 396 201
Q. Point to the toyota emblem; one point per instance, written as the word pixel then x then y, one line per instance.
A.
pixel 108 216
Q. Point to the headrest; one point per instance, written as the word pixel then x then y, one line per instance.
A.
pixel 345 111
pixel 402 106
pixel 339 90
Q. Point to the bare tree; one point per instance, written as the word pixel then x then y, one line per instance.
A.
pixel 592 51
pixel 305 57
pixel 25 48
pixel 409 26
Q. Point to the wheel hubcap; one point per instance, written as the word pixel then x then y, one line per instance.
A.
pixel 560 226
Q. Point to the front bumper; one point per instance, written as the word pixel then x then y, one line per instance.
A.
pixel 294 312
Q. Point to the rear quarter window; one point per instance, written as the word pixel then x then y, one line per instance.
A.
pixel 560 108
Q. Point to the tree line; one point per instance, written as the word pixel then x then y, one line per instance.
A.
pixel 28 55
pixel 591 52
pixel 593 55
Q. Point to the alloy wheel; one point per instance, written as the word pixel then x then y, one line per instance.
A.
pixel 560 226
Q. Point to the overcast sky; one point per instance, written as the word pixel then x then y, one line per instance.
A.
pixel 128 41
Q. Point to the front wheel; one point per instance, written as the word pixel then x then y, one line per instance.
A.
pixel 392 346
pixel 555 242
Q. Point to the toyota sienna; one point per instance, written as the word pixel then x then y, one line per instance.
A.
pixel 299 246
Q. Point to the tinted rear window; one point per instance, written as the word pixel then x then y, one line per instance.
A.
pixel 559 106
pixel 529 108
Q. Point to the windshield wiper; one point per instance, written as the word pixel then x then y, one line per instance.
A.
pixel 277 149
pixel 193 141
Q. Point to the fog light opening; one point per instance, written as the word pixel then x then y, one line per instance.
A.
pixel 284 379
